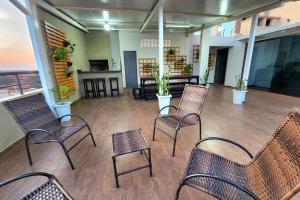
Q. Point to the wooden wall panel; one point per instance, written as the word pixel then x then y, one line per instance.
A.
pixel 55 38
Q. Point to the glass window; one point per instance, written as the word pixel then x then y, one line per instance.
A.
pixel 18 69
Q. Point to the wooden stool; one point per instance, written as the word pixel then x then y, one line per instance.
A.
pixel 98 90
pixel 112 90
pixel 87 90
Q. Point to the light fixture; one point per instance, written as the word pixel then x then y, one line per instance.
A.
pixel 107 27
pixel 105 14
pixel 177 26
pixel 220 28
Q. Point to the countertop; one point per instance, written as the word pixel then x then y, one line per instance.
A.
pixel 99 72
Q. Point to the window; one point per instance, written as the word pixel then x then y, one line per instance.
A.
pixel 18 69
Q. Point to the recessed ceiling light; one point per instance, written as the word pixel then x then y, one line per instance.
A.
pixel 105 14
pixel 107 27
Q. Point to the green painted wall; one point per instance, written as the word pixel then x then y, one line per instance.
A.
pixel 99 47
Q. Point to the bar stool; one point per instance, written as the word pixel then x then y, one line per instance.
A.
pixel 87 90
pixel 98 90
pixel 112 90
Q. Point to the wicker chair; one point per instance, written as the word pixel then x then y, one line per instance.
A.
pixel 40 124
pixel 274 173
pixel 187 113
pixel 51 189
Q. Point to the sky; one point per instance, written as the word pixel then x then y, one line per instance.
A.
pixel 16 51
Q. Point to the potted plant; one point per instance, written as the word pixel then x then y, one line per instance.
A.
pixel 204 79
pixel 188 69
pixel 62 53
pixel 62 107
pixel 239 91
pixel 163 92
pixel 171 55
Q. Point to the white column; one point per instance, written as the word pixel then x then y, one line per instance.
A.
pixel 250 46
pixel 161 41
pixel 40 51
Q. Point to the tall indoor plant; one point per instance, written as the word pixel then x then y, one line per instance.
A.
pixel 163 92
pixel 239 91
pixel 62 107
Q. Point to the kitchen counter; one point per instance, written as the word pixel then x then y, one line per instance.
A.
pixel 101 74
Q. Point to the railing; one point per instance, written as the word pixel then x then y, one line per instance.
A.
pixel 18 82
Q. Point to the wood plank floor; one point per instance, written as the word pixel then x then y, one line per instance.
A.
pixel 250 124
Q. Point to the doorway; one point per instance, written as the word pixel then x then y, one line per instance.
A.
pixel 221 65
pixel 130 69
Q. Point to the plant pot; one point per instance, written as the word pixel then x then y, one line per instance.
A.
pixel 164 101
pixel 239 96
pixel 62 109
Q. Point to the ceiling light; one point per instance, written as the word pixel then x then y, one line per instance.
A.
pixel 107 27
pixel 177 26
pixel 220 28
pixel 105 14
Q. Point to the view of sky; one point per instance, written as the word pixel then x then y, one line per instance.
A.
pixel 16 51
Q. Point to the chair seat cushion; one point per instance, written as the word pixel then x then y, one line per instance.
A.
pixel 202 161
pixel 173 121
pixel 63 131
pixel 47 191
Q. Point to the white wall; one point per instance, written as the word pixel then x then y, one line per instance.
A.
pixel 115 49
pixel 234 63
pixel 130 41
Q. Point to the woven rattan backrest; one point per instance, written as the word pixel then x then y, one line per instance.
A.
pixel 192 100
pixel 32 112
pixel 275 171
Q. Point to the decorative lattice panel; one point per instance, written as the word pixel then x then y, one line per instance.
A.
pixel 146 66
pixel 55 38
pixel 196 49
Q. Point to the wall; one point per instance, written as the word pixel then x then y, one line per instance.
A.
pixel 98 45
pixel 10 130
pixel 130 41
pixel 77 37
pixel 234 63
pixel 115 49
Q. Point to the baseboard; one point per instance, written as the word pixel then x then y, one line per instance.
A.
pixel 12 146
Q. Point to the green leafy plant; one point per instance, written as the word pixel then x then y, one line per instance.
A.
pixel 61 91
pixel 163 87
pixel 171 52
pixel 188 68
pixel 204 79
pixel 59 53
pixel 240 84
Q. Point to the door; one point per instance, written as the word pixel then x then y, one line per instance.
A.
pixel 221 64
pixel 130 69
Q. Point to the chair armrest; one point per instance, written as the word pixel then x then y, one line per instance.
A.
pixel 206 175
pixel 73 115
pixel 186 116
pixel 225 140
pixel 49 176
pixel 44 131
pixel 170 106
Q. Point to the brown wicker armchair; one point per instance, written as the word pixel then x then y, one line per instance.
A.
pixel 187 113
pixel 40 124
pixel 51 189
pixel 274 173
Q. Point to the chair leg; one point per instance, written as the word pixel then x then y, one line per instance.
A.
pixel 200 137
pixel 150 162
pixel 91 134
pixel 67 155
pixel 116 172
pixel 154 129
pixel 28 151
pixel 178 191
pixel 174 143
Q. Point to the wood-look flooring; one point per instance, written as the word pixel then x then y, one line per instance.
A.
pixel 250 124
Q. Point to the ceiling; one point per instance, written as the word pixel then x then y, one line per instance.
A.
pixel 183 15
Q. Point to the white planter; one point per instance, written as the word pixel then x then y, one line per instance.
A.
pixel 164 101
pixel 239 96
pixel 63 109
